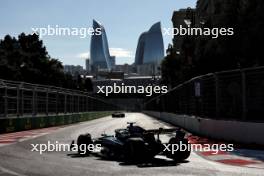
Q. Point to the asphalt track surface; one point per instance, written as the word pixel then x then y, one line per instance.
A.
pixel 18 159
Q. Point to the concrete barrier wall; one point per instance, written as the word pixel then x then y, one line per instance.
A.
pixel 232 131
pixel 27 123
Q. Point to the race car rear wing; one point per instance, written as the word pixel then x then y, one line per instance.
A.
pixel 163 131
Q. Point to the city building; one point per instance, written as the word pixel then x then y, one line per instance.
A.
pixel 99 51
pixel 112 62
pixel 129 81
pixel 73 70
pixel 150 51
pixel 216 12
pixel 126 68
pixel 102 75
pixel 87 65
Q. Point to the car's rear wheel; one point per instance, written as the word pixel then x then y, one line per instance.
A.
pixel 83 141
pixel 179 155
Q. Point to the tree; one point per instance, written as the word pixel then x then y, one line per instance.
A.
pixel 171 69
pixel 26 59
pixel 88 85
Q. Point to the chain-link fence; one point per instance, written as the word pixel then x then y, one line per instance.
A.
pixel 19 99
pixel 229 95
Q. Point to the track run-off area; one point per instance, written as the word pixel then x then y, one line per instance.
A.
pixel 17 159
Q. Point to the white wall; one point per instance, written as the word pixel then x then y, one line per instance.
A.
pixel 233 131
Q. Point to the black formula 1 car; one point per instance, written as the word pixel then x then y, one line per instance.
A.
pixel 135 144
pixel 118 115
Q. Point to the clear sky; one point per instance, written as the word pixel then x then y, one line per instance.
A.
pixel 124 21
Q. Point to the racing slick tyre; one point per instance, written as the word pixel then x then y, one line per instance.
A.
pixel 179 155
pixel 135 150
pixel 83 141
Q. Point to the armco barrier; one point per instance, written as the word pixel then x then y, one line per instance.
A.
pixel 232 131
pixel 27 123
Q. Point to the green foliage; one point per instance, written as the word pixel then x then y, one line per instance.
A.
pixel 174 70
pixel 26 59
pixel 171 70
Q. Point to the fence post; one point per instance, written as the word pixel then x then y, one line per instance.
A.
pixel 244 99
pixel 72 103
pixel 65 103
pixel 47 102
pixel 18 102
pixel 216 96
pixel 57 95
pixel 6 103
pixel 86 104
pixel 34 102
pixel 22 102
pixel 78 103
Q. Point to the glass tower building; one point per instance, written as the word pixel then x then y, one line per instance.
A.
pixel 150 48
pixel 150 51
pixel 99 51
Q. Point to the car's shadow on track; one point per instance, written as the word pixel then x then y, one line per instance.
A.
pixel 76 155
pixel 155 162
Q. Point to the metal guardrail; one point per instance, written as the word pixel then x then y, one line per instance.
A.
pixel 19 99
pixel 229 95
